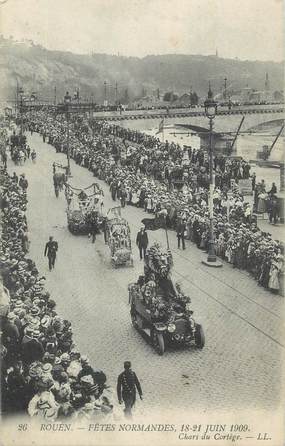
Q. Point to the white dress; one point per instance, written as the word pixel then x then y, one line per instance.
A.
pixel 135 198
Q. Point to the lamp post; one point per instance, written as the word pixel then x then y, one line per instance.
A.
pixel 67 101
pixel 21 93
pixel 210 111
pixel 105 95
pixel 33 98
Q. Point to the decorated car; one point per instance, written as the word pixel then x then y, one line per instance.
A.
pixel 159 308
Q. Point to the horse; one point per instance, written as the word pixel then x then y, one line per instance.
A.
pixel 59 179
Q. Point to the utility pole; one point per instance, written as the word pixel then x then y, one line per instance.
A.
pixel 225 88
pixel 55 95
pixel 105 93
pixel 116 93
pixel 21 92
pixel 91 107
pixel 126 96
pixel 17 98
pixel 67 101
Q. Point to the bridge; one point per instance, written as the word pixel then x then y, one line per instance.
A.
pixel 256 118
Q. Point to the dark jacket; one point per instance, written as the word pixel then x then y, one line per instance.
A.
pixel 181 228
pixel 51 248
pixel 127 384
pixel 142 239
pixel 273 190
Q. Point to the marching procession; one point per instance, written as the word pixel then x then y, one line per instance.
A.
pixel 143 176
pixel 44 374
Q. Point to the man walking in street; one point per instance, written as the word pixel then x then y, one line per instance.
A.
pixel 93 228
pixel 181 228
pixel 51 250
pixel 142 242
pixel 127 385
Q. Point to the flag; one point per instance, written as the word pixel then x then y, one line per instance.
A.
pixel 160 126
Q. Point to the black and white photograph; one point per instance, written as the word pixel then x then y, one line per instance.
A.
pixel 142 190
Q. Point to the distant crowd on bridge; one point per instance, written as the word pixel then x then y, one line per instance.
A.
pixel 142 171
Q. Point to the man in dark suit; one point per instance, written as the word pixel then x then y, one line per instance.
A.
pixel 142 242
pixel 273 209
pixel 127 385
pixel 181 228
pixel 51 250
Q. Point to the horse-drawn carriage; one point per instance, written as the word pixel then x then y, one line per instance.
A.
pixel 160 311
pixel 84 212
pixel 118 238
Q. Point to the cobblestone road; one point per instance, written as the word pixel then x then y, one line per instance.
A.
pixel 239 367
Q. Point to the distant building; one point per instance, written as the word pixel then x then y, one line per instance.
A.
pixel 184 100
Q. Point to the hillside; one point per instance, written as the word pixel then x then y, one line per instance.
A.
pixel 39 69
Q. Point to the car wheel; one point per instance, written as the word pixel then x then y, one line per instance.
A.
pixel 158 342
pixel 199 336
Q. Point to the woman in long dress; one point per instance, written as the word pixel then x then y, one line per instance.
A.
pixel 135 198
pixel 221 246
pixel 273 283
pixel 261 205
pixel 149 204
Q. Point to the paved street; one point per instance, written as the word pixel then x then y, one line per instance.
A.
pixel 241 363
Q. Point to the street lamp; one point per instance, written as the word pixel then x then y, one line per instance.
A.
pixel 21 93
pixel 67 101
pixel 33 98
pixel 210 106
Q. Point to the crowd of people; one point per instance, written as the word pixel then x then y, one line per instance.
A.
pixel 42 372
pixel 20 151
pixel 142 171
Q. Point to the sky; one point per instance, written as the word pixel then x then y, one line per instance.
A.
pixel 246 29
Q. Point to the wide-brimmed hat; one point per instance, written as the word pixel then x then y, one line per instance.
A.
pixel 34 311
pixel 35 372
pixel 47 367
pixel 65 357
pixel 45 382
pixel 36 333
pixel 45 321
pixel 11 316
pixel 87 379
pixel 34 322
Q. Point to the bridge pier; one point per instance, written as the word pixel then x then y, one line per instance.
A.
pixel 282 177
